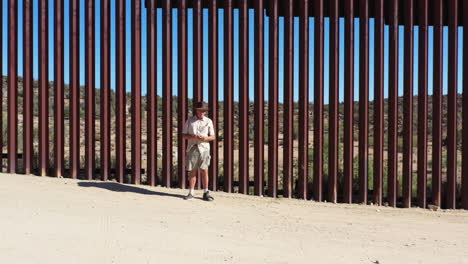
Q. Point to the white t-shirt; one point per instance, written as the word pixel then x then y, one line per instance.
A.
pixel 196 127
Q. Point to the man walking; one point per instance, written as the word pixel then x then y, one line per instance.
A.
pixel 199 131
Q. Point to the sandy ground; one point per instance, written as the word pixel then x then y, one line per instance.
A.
pixel 48 220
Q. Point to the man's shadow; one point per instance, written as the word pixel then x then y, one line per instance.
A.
pixel 117 187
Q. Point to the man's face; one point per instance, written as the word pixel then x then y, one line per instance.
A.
pixel 201 114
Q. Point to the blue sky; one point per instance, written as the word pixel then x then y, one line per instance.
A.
pixel 221 52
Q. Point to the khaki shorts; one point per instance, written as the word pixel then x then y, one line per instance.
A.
pixel 196 160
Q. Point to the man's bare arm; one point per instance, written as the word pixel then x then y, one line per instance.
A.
pixel 207 139
pixel 188 136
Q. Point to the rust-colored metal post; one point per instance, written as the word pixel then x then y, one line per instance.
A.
pixel 273 100
pixel 136 91
pixel 437 104
pixel 318 102
pixel 213 90
pixel 334 94
pixel 167 94
pixel 422 104
pixel 27 86
pixel 120 108
pixel 452 106
pixel 105 89
pixel 228 95
pixel 393 106
pixel 288 117
pixel 378 101
pixel 244 96
pixel 182 93
pixel 303 99
pixel 12 85
pixel 259 100
pixel 349 102
pixel 198 54
pixel 363 99
pixel 59 89
pixel 198 59
pixel 464 191
pixel 90 164
pixel 408 106
pixel 74 88
pixel 152 90
pixel 43 87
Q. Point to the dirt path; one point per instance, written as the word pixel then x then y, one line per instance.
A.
pixel 48 220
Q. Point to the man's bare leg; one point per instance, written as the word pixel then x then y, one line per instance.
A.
pixel 204 178
pixel 193 179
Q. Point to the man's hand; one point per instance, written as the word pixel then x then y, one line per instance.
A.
pixel 201 138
